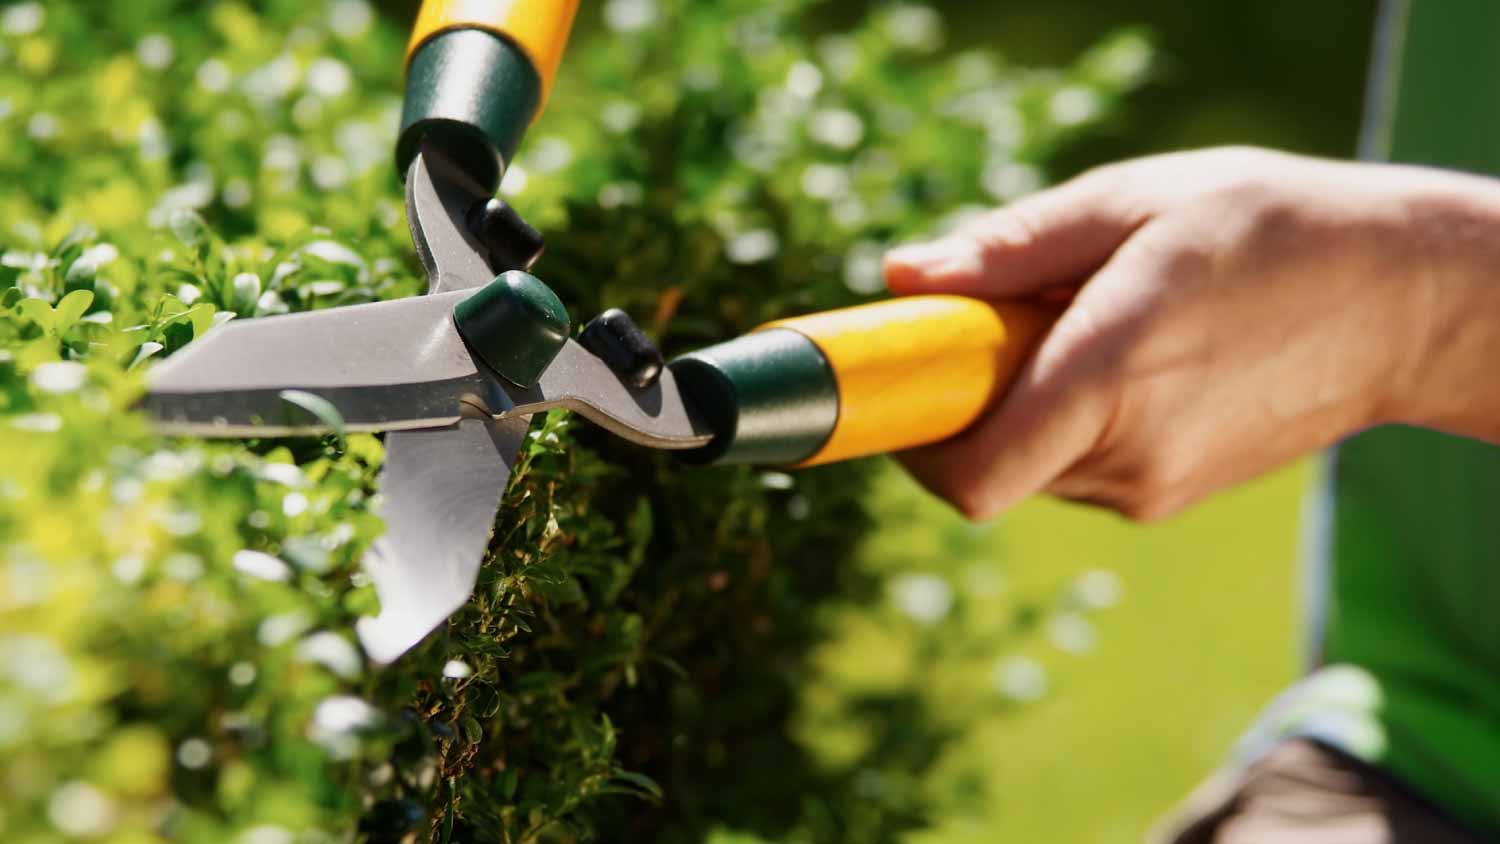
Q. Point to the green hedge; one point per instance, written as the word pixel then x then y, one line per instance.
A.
pixel 176 656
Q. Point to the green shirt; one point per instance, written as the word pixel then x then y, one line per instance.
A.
pixel 1405 589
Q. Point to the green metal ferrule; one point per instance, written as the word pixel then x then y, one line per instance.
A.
pixel 473 94
pixel 516 325
pixel 771 397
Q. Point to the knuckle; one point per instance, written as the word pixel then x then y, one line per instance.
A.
pixel 1144 511
pixel 1243 152
pixel 1187 260
pixel 1009 229
pixel 1240 191
pixel 974 505
pixel 1173 252
pixel 1155 489
pixel 1240 160
pixel 949 475
pixel 1121 190
pixel 1115 179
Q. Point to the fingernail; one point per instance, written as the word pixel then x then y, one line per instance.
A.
pixel 946 256
pixel 919 254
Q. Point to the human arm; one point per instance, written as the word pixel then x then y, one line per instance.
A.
pixel 1238 308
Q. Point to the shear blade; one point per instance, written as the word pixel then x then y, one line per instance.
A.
pixel 383 366
pixel 402 367
pixel 440 490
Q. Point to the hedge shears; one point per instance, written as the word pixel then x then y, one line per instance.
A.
pixel 453 377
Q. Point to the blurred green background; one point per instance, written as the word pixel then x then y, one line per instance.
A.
pixel 1274 72
pixel 1207 631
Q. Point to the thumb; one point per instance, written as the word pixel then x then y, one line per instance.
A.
pixel 1057 236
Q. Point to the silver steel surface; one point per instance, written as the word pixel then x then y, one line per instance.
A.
pixel 389 366
pixel 658 416
pixel 383 366
pixel 438 200
pixel 399 365
pixel 440 490
pixel 454 426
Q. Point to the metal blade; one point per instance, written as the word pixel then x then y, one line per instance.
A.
pixel 390 366
pixel 383 366
pixel 438 198
pixel 441 490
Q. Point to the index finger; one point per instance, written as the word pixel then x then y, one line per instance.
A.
pixel 1057 236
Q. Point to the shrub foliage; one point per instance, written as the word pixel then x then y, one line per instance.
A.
pixel 176 655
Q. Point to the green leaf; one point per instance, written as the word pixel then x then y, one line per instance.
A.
pixel 81 274
pixel 189 229
pixel 40 312
pixel 72 308
pixel 472 730
pixel 146 351
pixel 246 288
pixel 641 781
pixel 75 238
pixel 201 316
pixel 318 406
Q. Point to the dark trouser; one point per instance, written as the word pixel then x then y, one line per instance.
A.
pixel 1305 793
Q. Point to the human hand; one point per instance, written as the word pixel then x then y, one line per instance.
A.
pixel 1238 308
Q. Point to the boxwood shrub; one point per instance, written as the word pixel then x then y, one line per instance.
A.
pixel 176 651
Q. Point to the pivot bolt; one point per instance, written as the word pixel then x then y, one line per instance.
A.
pixel 516 325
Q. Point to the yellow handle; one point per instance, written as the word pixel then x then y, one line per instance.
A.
pixel 539 27
pixel 917 370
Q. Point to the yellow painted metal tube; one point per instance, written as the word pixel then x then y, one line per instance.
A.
pixel 538 27
pixel 917 370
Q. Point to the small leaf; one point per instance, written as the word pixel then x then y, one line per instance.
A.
pixel 71 308
pixel 318 406
pixel 326 287
pixel 176 334
pixel 201 316
pixel 246 291
pixel 188 228
pixel 81 273
pixel 39 312
pixel 485 700
pixel 80 234
pixel 145 352
pixel 473 732
pixel 640 781
pixel 169 307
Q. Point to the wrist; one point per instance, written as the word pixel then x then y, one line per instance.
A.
pixel 1451 310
